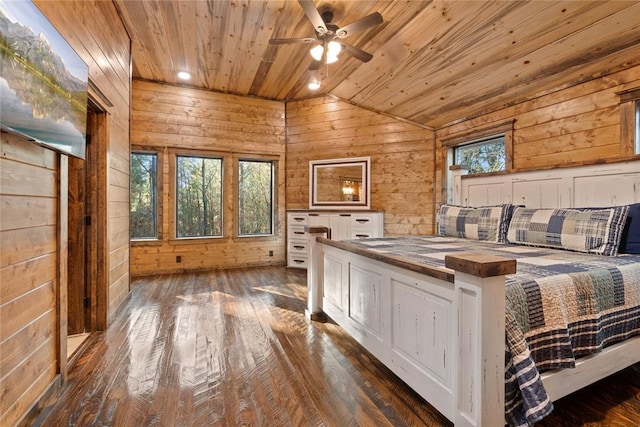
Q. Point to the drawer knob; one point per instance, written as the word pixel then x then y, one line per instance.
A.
pixel 362 221
pixel 361 236
pixel 298 247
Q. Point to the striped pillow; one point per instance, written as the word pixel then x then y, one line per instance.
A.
pixel 596 231
pixel 483 223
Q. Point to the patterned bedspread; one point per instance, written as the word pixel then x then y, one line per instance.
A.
pixel 560 305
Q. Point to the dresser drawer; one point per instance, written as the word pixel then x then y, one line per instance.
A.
pixel 301 219
pixel 297 247
pixel 297 260
pixel 297 232
pixel 362 233
pixel 363 220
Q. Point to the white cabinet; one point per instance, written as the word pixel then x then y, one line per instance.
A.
pixel 344 225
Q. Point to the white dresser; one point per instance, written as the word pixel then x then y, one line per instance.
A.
pixel 344 225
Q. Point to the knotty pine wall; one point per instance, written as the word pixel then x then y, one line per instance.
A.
pixel 28 273
pixel 402 158
pixel 572 126
pixel 174 119
pixel 96 32
pixel 31 278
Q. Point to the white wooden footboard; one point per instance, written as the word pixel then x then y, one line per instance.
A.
pixel 426 329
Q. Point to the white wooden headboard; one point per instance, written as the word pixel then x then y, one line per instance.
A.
pixel 584 186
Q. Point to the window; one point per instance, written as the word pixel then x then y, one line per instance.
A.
pixel 255 197
pixel 482 156
pixel 198 196
pixel 144 196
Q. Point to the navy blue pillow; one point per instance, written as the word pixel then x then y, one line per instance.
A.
pixel 630 242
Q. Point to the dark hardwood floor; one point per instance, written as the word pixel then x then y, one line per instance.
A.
pixel 233 348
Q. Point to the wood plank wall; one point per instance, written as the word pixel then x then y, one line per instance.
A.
pixel 573 126
pixel 402 158
pixel 29 201
pixel 96 32
pixel 172 119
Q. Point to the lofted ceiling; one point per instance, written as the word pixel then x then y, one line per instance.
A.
pixel 434 63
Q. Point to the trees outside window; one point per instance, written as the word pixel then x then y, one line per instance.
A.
pixel 255 197
pixel 198 196
pixel 143 196
pixel 486 155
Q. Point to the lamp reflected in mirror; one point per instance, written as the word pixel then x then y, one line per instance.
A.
pixel 351 190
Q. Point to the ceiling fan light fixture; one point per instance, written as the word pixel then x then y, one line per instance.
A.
pixel 334 48
pixel 183 75
pixel 314 85
pixel 316 52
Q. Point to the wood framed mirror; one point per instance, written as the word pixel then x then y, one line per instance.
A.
pixel 340 183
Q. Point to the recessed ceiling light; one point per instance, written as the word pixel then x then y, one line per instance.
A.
pixel 184 75
pixel 314 85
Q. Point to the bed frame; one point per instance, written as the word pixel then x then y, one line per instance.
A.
pixel 436 327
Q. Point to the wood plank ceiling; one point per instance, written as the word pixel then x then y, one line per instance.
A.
pixel 435 62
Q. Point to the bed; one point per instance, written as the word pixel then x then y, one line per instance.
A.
pixel 429 307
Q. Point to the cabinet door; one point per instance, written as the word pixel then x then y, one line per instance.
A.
pixel 364 298
pixel 340 226
pixel 318 220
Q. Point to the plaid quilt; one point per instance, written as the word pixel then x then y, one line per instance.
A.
pixel 560 305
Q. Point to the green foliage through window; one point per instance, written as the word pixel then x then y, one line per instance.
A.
pixel 487 155
pixel 255 197
pixel 198 196
pixel 143 196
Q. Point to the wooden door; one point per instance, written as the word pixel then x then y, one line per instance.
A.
pixel 77 287
pixel 82 236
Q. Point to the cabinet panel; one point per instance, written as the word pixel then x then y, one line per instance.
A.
pixel 596 191
pixel 420 331
pixel 364 299
pixel 339 225
pixel 335 287
pixel 318 219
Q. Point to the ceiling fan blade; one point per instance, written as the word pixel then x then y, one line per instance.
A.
pixel 313 15
pixel 292 41
pixel 360 25
pixel 356 53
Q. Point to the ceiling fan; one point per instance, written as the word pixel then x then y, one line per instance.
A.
pixel 329 36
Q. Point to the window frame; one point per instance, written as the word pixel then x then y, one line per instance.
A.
pixel 505 128
pixel 448 144
pixel 274 193
pixel 173 194
pixel 629 122
pixel 159 197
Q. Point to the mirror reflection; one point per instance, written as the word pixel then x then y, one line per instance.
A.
pixel 339 182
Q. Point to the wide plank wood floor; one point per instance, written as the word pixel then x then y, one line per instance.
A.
pixel 233 348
